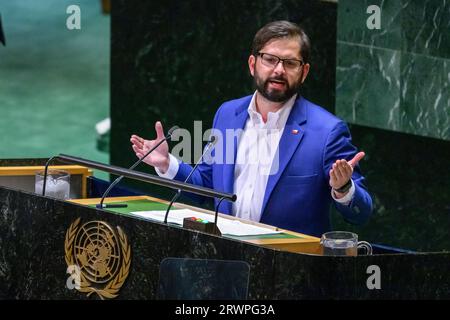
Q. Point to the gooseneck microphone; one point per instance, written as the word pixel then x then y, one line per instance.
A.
pixel 118 179
pixel 212 141
pixel 44 183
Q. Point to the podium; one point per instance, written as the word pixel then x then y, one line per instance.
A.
pixel 53 249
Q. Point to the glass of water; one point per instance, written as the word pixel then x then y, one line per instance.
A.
pixel 343 243
pixel 57 185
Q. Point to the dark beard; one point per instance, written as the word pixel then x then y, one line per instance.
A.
pixel 275 95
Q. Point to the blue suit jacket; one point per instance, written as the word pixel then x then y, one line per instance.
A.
pixel 298 196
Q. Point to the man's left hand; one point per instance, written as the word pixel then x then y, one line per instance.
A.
pixel 341 172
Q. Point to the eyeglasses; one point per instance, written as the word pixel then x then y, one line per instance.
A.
pixel 272 61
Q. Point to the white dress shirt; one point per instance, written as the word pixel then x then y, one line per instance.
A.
pixel 257 158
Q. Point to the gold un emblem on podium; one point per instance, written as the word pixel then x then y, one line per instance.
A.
pixel 98 258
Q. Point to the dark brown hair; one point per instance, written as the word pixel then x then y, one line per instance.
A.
pixel 282 29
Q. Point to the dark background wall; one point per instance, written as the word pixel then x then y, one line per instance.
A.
pixel 177 61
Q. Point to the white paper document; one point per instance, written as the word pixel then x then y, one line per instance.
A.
pixel 226 226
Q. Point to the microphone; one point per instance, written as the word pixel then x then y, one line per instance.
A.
pixel 118 179
pixel 212 141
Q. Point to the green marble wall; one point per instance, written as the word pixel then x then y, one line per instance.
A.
pixel 393 85
pixel 397 77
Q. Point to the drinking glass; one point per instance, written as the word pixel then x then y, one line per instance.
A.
pixel 57 185
pixel 343 243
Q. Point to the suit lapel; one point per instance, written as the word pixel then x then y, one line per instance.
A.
pixel 290 139
pixel 235 123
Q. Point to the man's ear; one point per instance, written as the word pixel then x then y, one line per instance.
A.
pixel 251 64
pixel 305 71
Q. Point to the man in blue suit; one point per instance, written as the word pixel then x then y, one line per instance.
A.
pixel 290 157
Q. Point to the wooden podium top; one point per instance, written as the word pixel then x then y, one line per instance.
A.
pixel 285 241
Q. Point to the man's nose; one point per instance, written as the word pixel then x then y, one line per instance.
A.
pixel 279 68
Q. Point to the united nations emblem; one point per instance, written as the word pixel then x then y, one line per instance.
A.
pixel 101 255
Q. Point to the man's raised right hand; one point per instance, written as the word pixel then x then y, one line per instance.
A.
pixel 159 158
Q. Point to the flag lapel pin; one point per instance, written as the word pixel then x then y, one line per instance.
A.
pixel 294 131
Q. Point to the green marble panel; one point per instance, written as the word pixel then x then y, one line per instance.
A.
pixel 426 27
pixel 368 85
pixel 425 95
pixel 352 23
pixel 407 93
